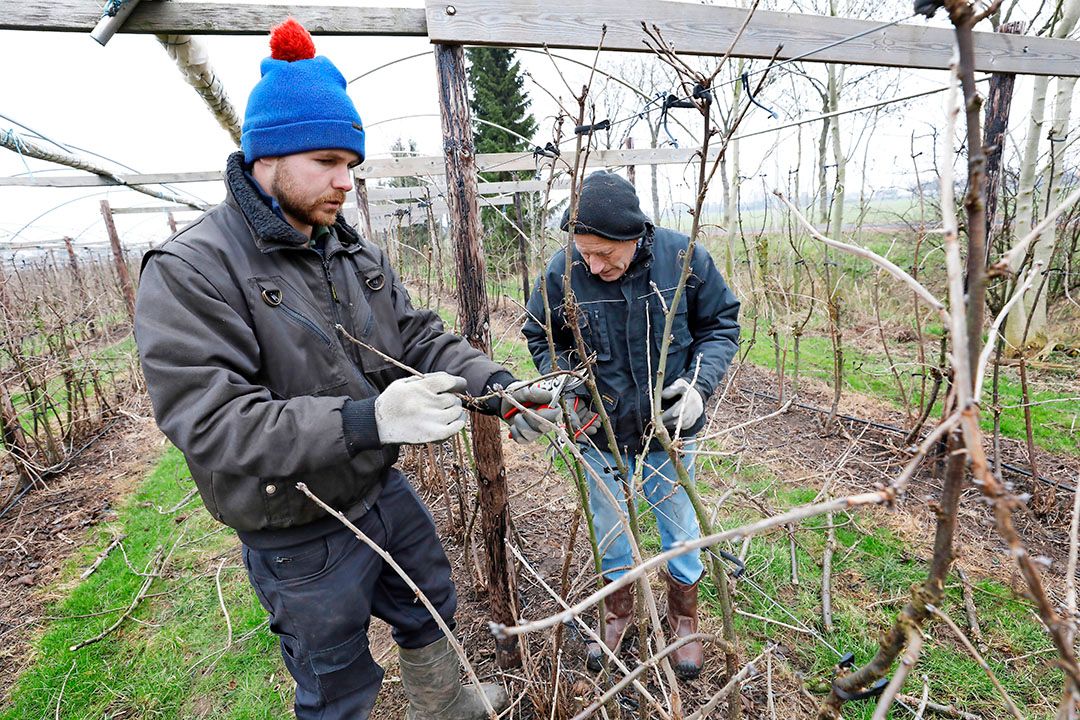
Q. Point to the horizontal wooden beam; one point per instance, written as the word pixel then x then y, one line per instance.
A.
pixel 439 207
pixel 158 209
pixel 66 181
pixel 485 188
pixel 691 29
pixel 213 18
pixel 416 166
pixel 435 165
pixel 710 29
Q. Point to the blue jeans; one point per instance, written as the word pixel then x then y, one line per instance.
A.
pixel 675 517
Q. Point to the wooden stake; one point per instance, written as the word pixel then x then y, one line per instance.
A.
pixel 73 261
pixel 14 440
pixel 475 326
pixel 5 294
pixel 118 257
pixel 365 209
pixel 631 170
pixel 523 248
pixel 172 223
pixel 996 122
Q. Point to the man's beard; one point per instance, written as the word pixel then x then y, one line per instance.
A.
pixel 292 202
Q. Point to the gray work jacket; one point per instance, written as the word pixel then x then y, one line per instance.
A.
pixel 235 325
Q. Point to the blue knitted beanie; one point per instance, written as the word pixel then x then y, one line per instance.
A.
pixel 300 104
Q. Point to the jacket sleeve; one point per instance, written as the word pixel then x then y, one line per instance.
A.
pixel 714 325
pixel 430 348
pixel 536 335
pixel 533 329
pixel 199 356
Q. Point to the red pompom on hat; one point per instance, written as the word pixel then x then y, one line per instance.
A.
pixel 291 42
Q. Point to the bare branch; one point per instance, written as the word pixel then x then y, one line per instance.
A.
pixel 887 265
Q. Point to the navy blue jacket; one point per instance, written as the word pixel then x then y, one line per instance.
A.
pixel 623 323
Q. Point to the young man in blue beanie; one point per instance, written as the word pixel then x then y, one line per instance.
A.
pixel 237 324
pixel 624 275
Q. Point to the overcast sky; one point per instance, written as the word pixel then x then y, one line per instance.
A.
pixel 128 101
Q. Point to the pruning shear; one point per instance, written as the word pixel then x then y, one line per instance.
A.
pixel 558 385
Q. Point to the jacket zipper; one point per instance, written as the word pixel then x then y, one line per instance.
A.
pixel 334 302
pixel 307 324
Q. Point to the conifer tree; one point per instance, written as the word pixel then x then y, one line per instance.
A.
pixel 499 97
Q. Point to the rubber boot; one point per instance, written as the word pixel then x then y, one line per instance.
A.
pixel 682 617
pixel 618 610
pixel 431 679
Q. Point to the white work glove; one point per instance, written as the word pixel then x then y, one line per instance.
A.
pixel 416 410
pixel 686 410
pixel 526 427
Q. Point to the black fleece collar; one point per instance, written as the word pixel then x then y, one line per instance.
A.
pixel 270 231
pixel 643 255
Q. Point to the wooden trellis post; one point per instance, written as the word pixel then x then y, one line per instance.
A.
pixel 523 248
pixel 364 207
pixel 996 122
pixel 5 298
pixel 118 256
pixel 14 440
pixel 464 208
pixel 76 273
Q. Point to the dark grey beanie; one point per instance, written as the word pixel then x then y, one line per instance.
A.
pixel 608 207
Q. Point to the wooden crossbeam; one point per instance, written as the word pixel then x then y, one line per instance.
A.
pixel 439 207
pixel 97 180
pixel 433 165
pixel 417 166
pixel 709 30
pixel 214 18
pixel 489 188
pixel 157 209
pixel 691 29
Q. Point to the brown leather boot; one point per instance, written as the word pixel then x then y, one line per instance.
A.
pixel 618 610
pixel 682 617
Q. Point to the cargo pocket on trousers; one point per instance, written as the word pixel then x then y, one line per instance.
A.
pixel 344 668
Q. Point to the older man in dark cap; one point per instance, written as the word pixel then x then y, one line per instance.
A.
pixel 624 275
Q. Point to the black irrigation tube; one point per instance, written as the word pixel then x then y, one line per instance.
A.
pixel 900 431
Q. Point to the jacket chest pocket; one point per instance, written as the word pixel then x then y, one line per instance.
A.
pixel 594 331
pixel 681 336
pixel 375 319
pixel 295 343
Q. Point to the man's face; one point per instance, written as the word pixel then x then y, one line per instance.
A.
pixel 310 187
pixel 607 259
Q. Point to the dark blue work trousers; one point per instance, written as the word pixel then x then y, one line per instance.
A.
pixel 321 595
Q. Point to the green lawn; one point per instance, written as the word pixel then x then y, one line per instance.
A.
pixel 165 661
pixel 871 564
pixel 1055 424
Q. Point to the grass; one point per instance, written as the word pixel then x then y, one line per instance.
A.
pixel 1055 425
pixel 144 668
pixel 873 564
